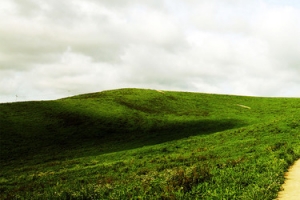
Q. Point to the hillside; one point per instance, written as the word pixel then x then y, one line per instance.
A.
pixel 132 143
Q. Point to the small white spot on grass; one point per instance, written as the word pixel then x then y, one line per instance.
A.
pixel 160 91
pixel 243 106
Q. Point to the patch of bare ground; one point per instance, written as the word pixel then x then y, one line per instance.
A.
pixel 291 186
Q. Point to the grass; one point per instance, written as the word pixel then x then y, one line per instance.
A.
pixel 145 144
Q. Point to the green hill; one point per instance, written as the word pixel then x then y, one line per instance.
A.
pixel 147 144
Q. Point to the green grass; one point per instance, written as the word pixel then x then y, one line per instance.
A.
pixel 145 144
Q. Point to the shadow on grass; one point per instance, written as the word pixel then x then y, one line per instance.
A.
pixel 56 134
pixel 169 131
pixel 77 139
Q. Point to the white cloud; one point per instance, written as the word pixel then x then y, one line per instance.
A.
pixel 280 28
pixel 51 49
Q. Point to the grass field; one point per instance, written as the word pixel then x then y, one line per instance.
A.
pixel 148 144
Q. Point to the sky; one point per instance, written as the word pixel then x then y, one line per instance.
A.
pixel 53 49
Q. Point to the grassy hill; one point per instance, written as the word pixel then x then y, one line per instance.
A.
pixel 147 144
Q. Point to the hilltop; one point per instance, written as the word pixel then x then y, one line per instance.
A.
pixel 168 144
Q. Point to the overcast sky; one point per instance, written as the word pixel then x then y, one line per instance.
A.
pixel 58 48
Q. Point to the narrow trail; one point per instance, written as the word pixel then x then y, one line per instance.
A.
pixel 291 186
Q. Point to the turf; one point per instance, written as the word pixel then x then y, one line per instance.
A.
pixel 147 144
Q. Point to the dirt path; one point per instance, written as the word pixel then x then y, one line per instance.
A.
pixel 291 186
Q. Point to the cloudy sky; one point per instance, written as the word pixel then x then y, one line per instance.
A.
pixel 57 48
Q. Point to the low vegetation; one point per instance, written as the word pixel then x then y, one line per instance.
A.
pixel 147 144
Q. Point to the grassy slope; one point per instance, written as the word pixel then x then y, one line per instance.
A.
pixel 129 143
